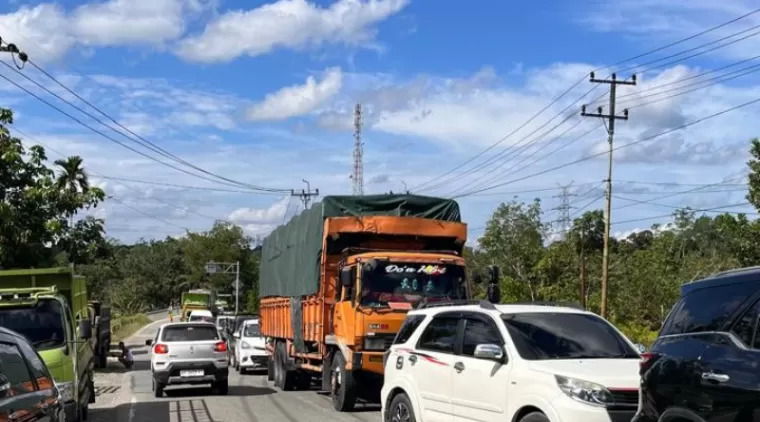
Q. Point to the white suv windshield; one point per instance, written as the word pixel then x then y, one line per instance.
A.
pixel 252 330
pixel 551 335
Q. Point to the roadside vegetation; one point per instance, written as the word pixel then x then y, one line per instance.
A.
pixel 39 227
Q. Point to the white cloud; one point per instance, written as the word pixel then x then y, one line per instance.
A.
pixel 287 24
pixel 267 154
pixel 47 31
pixel 297 100
pixel 657 22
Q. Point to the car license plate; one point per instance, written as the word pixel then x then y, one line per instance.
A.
pixel 194 373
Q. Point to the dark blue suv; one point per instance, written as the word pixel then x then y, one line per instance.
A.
pixel 705 364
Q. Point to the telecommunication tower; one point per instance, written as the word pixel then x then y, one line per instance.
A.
pixel 358 175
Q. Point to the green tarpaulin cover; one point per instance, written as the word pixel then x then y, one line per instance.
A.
pixel 290 256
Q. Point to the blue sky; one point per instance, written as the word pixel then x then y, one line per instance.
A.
pixel 262 92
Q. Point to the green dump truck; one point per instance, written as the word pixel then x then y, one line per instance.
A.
pixel 49 306
pixel 196 299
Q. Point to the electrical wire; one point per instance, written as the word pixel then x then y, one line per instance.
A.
pixel 574 85
pixel 592 156
pixel 153 147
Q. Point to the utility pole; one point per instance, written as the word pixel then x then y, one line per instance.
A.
pixel 227 268
pixel 610 123
pixel 563 209
pixel 358 174
pixel 583 265
pixel 305 195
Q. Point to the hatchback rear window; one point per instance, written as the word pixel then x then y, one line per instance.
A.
pixel 190 333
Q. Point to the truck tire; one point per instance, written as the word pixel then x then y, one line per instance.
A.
pixel 102 358
pixel 284 379
pixel 270 369
pixel 342 385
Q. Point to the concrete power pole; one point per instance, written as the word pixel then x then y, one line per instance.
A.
pixel 610 123
pixel 563 209
pixel 305 195
pixel 358 175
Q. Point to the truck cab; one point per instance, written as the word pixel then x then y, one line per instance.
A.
pixel 49 307
pixel 379 288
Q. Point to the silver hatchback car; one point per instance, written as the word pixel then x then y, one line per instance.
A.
pixel 189 353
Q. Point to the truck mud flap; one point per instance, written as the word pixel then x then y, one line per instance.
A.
pixel 296 316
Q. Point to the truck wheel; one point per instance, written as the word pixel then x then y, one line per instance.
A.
pixel 270 369
pixel 286 379
pixel 102 361
pixel 342 385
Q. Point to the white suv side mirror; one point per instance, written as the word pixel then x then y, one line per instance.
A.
pixel 492 352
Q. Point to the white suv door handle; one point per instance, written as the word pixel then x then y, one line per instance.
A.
pixel 712 376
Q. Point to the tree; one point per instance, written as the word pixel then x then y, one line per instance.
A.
pixel 33 210
pixel 513 239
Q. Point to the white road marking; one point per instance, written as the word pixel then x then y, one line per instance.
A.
pixel 132 408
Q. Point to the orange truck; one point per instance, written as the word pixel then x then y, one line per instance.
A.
pixel 337 281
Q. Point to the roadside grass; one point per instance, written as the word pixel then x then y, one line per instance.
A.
pixel 126 326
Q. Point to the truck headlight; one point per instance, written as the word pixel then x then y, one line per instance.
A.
pixel 66 391
pixel 584 391
pixel 245 345
pixel 374 343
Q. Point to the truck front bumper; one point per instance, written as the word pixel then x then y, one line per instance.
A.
pixel 172 373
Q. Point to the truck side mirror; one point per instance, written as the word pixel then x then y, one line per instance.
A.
pixel 494 293
pixel 494 274
pixel 345 277
pixel 85 329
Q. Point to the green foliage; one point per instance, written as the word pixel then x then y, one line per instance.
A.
pixel 38 228
pixel 646 269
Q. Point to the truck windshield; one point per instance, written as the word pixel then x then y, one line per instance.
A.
pixel 411 282
pixel 41 324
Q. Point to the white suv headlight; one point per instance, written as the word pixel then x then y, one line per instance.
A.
pixel 245 345
pixel 66 390
pixel 584 391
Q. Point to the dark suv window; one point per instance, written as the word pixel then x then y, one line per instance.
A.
pixel 408 327
pixel 440 335
pixel 707 309
pixel 554 335
pixel 747 327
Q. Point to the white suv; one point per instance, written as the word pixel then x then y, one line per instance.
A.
pixel 518 363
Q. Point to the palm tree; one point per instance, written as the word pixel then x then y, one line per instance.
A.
pixel 72 176
pixel 72 180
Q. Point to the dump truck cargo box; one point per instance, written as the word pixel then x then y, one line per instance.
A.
pixel 290 259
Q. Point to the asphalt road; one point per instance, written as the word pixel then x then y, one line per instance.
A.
pixel 127 396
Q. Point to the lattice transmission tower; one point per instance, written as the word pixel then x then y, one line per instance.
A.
pixel 358 175
pixel 563 209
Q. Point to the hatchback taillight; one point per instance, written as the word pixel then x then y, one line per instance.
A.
pixel 220 347
pixel 160 349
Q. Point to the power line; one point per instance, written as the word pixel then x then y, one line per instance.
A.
pixel 146 144
pixel 592 156
pixel 574 85
pixel 178 186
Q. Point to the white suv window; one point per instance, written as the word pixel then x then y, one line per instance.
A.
pixel 478 330
pixel 440 335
